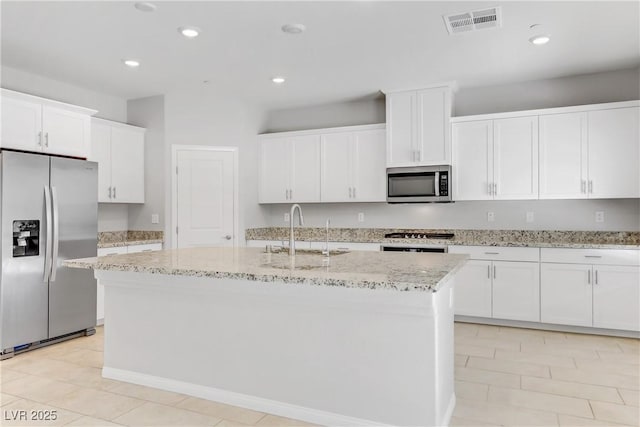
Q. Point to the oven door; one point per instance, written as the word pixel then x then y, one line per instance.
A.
pixel 417 185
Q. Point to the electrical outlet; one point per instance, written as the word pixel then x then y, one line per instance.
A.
pixel 530 217
pixel 491 216
pixel 361 217
pixel 286 217
pixel 599 216
pixel 155 219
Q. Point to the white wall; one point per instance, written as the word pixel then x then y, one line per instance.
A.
pixel 202 117
pixel 110 217
pixel 611 86
pixel 149 113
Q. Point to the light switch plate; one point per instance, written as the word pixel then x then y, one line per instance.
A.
pixel 491 216
pixel 530 217
pixel 361 217
pixel 155 219
pixel 286 217
pixel 599 216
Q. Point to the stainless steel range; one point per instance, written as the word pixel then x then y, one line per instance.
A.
pixel 412 246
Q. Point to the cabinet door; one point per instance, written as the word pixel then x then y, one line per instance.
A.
pixel 368 166
pixel 515 158
pixel 275 165
pixel 401 111
pixel 616 297
pixel 433 112
pixel 563 156
pixel 337 167
pixel 101 153
pixel 65 132
pixel 21 125
pixel 127 166
pixel 305 177
pixel 472 290
pixel 566 294
pixel 472 160
pixel 614 153
pixel 516 290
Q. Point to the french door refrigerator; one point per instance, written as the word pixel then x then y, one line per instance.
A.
pixel 49 213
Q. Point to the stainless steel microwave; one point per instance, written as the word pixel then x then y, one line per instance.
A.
pixel 420 184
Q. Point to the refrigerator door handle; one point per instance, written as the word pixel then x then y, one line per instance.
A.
pixel 56 234
pixel 48 241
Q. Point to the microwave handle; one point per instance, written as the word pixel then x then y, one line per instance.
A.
pixel 437 184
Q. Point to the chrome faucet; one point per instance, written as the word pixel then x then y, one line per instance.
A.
pixel 326 243
pixel 292 240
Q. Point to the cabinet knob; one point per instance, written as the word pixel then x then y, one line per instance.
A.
pixel 228 237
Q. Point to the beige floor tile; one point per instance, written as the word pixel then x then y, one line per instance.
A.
pixel 85 421
pixel 571 421
pixel 227 423
pixel 276 421
pixel 535 358
pixel 35 414
pixel 510 367
pixel 571 389
pixel 5 398
pixel 493 343
pixel 630 397
pixel 41 366
pixel 82 357
pixel 596 378
pixel 472 350
pixel 154 414
pixel 487 377
pixel 540 401
pixel 612 367
pixel 616 413
pixel 471 391
pixel 465 329
pixel 460 422
pixel 630 359
pixel 461 359
pixel 557 350
pixel 496 413
pixel 38 389
pixel 509 335
pixel 597 342
pixel 630 349
pixel 7 375
pixel 89 377
pixel 97 403
pixel 147 393
pixel 221 410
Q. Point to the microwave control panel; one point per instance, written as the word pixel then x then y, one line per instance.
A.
pixel 444 183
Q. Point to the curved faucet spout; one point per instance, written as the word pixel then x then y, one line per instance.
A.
pixel 292 241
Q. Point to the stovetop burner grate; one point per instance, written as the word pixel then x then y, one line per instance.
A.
pixel 440 236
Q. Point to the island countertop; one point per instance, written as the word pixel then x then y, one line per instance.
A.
pixel 398 271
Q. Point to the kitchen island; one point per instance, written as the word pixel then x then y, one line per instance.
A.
pixel 363 338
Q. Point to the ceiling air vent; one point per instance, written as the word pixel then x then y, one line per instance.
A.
pixel 474 20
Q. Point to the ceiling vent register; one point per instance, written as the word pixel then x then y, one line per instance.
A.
pixel 474 20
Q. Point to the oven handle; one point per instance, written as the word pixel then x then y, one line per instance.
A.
pixel 437 184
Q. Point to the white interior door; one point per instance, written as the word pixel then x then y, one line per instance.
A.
pixel 205 197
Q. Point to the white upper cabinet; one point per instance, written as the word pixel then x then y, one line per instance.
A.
pixel 614 153
pixel 326 165
pixel 36 124
pixel 472 160
pixel 290 169
pixel 353 166
pixel 418 130
pixel 119 151
pixel 563 156
pixel 496 159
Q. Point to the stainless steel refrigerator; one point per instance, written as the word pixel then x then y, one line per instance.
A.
pixel 49 213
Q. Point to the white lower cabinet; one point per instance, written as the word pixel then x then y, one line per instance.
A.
pixel 118 250
pixel 498 282
pixel 585 290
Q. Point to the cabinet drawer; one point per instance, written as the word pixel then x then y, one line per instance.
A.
pixel 144 248
pixel 112 251
pixel 498 253
pixel 591 256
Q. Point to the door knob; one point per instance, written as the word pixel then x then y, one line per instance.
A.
pixel 228 237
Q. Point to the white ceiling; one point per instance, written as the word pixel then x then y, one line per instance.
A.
pixel 350 49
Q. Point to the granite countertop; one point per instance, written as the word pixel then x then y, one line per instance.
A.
pixel 512 238
pixel 114 239
pixel 128 243
pixel 369 270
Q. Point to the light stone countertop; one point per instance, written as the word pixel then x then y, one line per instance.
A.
pixel 397 271
pixel 122 243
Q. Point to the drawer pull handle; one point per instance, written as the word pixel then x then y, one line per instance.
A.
pixel 593 256
pixel 492 253
pixel 147 250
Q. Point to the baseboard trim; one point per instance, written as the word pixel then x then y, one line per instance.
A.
pixel 243 400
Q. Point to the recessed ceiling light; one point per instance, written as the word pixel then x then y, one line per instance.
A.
pixel 189 32
pixel 540 39
pixel 278 80
pixel 132 63
pixel 293 28
pixel 145 6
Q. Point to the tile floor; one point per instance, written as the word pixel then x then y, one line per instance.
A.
pixel 504 376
